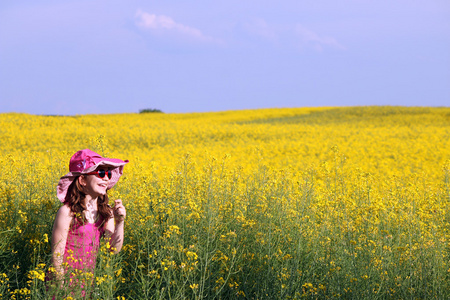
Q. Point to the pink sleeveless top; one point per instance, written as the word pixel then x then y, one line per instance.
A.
pixel 83 241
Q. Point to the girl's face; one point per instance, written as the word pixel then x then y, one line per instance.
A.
pixel 93 184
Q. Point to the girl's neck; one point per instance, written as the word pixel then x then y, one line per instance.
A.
pixel 91 211
pixel 89 201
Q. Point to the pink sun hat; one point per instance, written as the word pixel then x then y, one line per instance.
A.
pixel 86 161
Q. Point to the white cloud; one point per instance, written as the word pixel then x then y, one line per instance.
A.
pixel 311 38
pixel 162 23
pixel 260 28
pixel 292 33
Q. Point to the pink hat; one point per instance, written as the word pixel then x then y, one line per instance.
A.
pixel 86 161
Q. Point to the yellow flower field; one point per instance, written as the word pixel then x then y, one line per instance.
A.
pixel 315 203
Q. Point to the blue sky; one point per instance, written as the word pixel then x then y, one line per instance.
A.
pixel 78 57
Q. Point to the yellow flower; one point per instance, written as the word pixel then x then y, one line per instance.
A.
pixel 191 255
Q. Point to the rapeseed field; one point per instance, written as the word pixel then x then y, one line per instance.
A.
pixel 307 203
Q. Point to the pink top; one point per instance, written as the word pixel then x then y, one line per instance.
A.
pixel 83 241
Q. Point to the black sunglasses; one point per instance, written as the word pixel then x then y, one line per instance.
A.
pixel 101 173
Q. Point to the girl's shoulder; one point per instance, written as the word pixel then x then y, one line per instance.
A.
pixel 108 223
pixel 64 218
pixel 65 209
pixel 64 212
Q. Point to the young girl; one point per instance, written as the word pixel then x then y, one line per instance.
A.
pixel 86 215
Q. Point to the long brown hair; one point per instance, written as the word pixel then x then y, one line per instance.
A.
pixel 75 197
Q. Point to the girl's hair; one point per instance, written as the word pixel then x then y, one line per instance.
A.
pixel 75 197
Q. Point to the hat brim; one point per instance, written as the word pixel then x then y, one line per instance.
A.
pixel 66 180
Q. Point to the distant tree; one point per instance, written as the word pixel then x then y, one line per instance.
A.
pixel 150 110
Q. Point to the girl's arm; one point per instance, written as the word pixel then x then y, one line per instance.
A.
pixel 59 238
pixel 114 226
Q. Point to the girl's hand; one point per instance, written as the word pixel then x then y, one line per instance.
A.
pixel 119 211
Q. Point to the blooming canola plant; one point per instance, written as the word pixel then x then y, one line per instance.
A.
pixel 349 202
